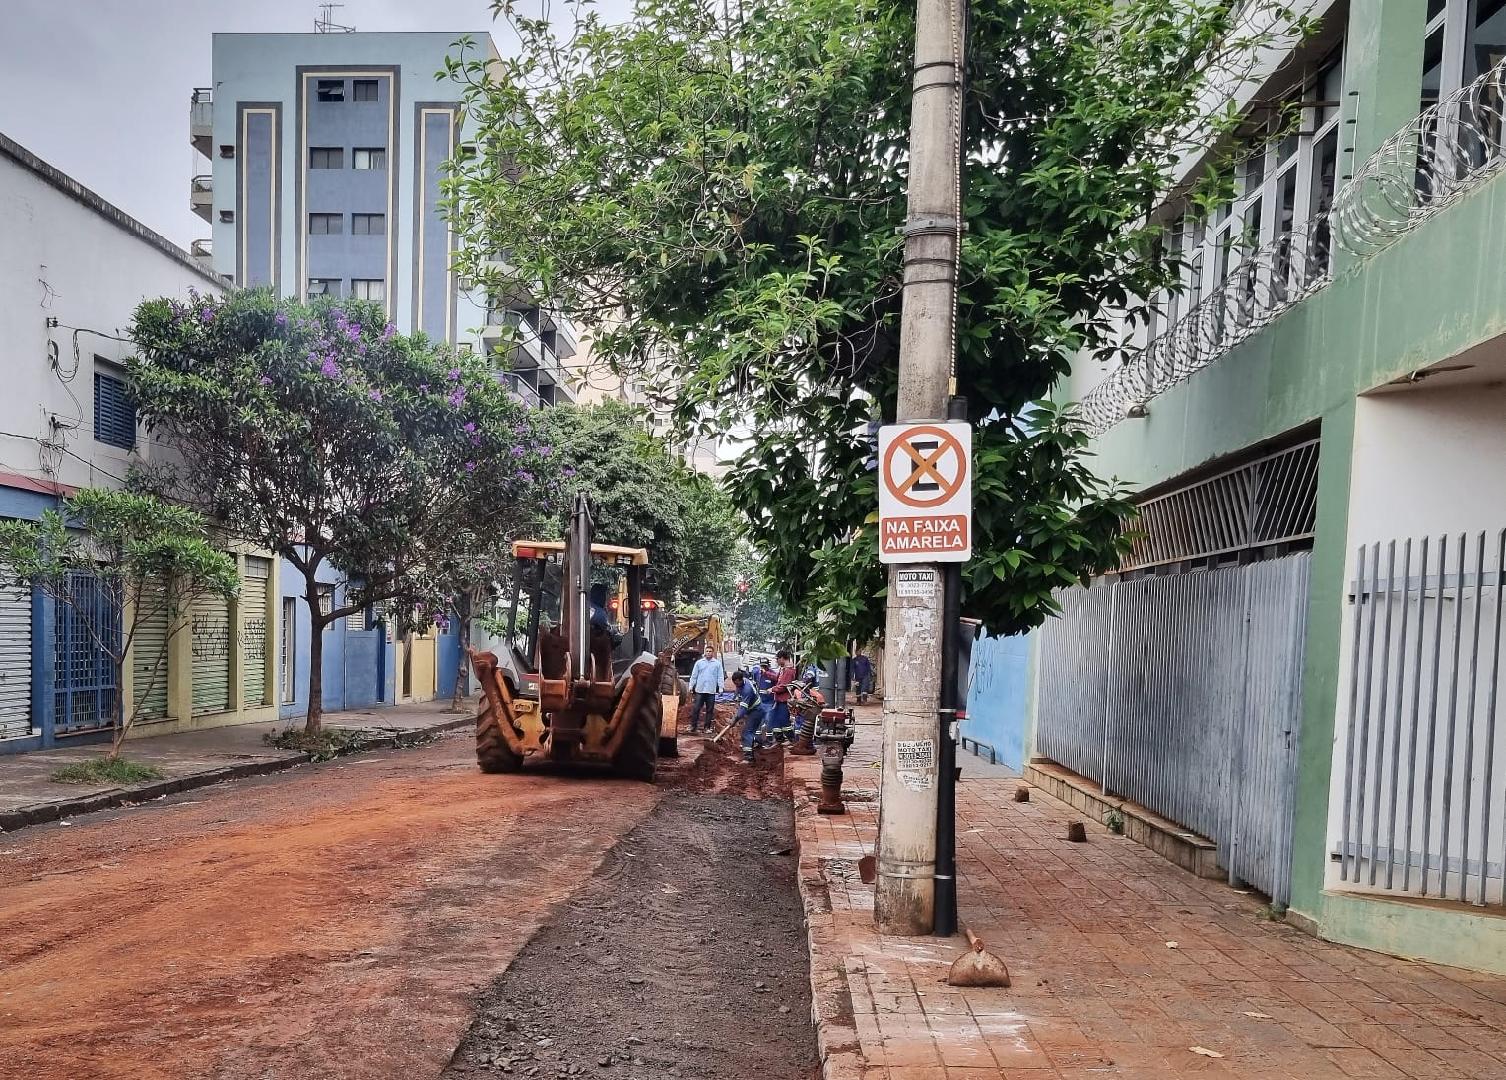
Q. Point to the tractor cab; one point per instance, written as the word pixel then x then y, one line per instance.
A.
pixel 536 613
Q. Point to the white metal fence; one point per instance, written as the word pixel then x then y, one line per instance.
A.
pixel 1421 808
pixel 1183 692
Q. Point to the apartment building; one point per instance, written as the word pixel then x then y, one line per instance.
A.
pixel 321 156
pixel 1301 660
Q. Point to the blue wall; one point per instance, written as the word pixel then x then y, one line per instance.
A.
pixel 998 696
pixel 447 658
pixel 358 664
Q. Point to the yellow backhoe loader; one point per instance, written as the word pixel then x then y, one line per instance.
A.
pixel 576 690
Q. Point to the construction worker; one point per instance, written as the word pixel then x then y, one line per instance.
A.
pixel 779 715
pixel 706 680
pixel 862 677
pixel 750 710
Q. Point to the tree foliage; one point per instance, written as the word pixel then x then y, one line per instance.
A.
pixel 120 561
pixel 716 191
pixel 644 496
pixel 322 434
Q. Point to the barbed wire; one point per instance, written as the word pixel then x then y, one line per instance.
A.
pixel 1450 148
pixel 1267 281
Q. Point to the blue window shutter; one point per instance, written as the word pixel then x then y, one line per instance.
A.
pixel 114 413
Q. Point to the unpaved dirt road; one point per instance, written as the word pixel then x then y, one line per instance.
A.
pixel 339 920
pixel 684 957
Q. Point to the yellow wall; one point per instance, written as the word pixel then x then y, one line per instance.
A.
pixel 180 668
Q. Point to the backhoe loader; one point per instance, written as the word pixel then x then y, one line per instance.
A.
pixel 569 691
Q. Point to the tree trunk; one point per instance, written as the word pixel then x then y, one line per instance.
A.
pixel 463 614
pixel 317 623
pixel 122 721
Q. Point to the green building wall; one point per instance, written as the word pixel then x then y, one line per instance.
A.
pixel 1433 294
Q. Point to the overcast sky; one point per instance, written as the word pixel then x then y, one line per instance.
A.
pixel 100 88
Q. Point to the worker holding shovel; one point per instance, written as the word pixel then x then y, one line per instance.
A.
pixel 750 710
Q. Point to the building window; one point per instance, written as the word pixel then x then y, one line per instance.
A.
pixel 326 598
pixel 326 224
pixel 364 90
pixel 368 224
pixel 331 90
pixel 289 642
pixel 324 286
pixel 1284 189
pixel 114 414
pixel 326 157
pixel 368 289
pixel 373 158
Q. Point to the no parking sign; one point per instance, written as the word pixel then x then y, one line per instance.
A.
pixel 925 493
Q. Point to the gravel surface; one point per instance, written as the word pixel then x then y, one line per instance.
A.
pixel 684 957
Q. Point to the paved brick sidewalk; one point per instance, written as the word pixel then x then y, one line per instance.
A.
pixel 1098 991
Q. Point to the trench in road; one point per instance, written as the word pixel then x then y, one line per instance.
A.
pixel 334 921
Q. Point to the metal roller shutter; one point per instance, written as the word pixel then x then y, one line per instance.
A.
pixel 15 663
pixel 254 635
pixel 209 626
pixel 148 677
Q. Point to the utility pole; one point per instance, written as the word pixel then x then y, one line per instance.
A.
pixel 904 897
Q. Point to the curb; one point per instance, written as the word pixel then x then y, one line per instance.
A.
pixel 837 1043
pixel 111 798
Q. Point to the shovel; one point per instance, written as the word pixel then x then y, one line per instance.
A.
pixel 977 966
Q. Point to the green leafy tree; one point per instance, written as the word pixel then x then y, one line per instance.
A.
pixel 715 191
pixel 644 496
pixel 322 434
pixel 119 561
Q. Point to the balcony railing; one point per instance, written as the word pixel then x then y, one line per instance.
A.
pixel 201 195
pixel 520 389
pixel 1267 281
pixel 1451 148
pixel 201 119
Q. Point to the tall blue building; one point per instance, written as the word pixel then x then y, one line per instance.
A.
pixel 321 160
pixel 322 156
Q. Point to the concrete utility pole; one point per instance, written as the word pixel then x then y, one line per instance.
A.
pixel 904 899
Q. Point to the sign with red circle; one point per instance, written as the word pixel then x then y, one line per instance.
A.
pixel 925 493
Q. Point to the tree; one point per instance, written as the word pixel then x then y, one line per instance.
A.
pixel 118 561
pixel 322 434
pixel 645 497
pixel 716 192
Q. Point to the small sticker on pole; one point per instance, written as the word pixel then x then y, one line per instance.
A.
pixel 915 583
pixel 925 493
pixel 915 755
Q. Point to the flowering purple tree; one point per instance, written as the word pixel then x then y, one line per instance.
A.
pixel 322 434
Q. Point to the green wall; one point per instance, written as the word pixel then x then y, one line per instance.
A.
pixel 1431 295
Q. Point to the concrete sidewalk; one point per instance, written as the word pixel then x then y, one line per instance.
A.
pixel 29 795
pixel 1123 965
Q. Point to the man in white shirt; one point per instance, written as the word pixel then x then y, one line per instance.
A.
pixel 706 680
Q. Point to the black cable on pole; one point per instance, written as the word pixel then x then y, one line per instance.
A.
pixel 946 754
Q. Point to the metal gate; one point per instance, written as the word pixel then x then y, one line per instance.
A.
pixel 1183 693
pixel 149 654
pixel 15 663
pixel 209 625
pixel 85 630
pixel 254 630
pixel 1422 808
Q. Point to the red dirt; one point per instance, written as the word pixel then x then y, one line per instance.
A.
pixel 721 771
pixel 336 921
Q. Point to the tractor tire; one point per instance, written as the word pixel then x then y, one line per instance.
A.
pixel 493 754
pixel 639 756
